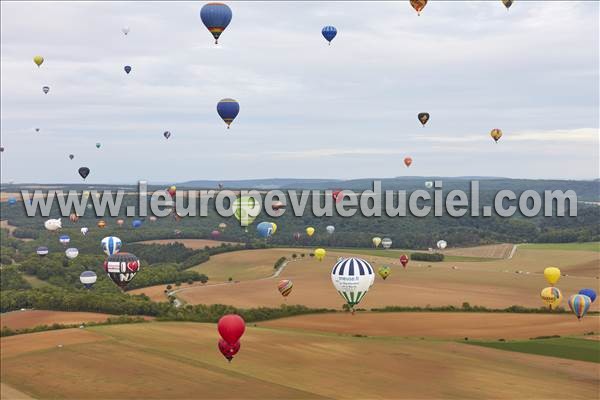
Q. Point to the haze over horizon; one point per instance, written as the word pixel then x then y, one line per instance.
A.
pixel 308 110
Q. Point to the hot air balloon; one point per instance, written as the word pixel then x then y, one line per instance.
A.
pixel 42 251
pixel 310 231
pixel 278 208
pixel 122 268
pixel 37 129
pixel 551 296
pixel 423 117
pixel 408 161
pixel 38 60
pixel 84 172
pixel 428 184
pixel 273 228
pixel 352 277
pixel 579 304
pixel 153 218
pixel 222 226
pixel 88 278
pixel 12 201
pixel 386 243
pixel 71 156
pixel 98 144
pixel 101 224
pixel 329 33
pixel 46 89
pixel 245 210
pixel 216 17
pixel 441 244
pixel 120 222
pixel 507 3
pixel 53 224
pixel 71 253
pixel 167 134
pixel 330 229
pixel 285 287
pixel 591 293
pixel 228 350
pixel 136 223
pixel 337 195
pixel 404 260
pixel 264 229
pixel 172 190
pixel 177 232
pixel 111 245
pixel 231 327
pixel 376 241
pixel 1 149
pixel 552 275
pixel 74 217
pixel 84 231
pixel 64 239
pixel 228 109
pixel 127 69
pixel 125 30
pixel 384 272
pixel 215 234
pixel 297 236
pixel 418 5
pixel 496 134
pixel 320 254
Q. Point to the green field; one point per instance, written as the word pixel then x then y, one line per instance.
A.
pixel 587 246
pixel 35 282
pixel 571 348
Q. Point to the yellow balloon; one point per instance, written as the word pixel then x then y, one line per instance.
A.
pixel 38 60
pixel 320 254
pixel 376 241
pixel 310 230
pixel 552 275
pixel 551 296
pixel 496 134
pixel 273 228
pixel 384 272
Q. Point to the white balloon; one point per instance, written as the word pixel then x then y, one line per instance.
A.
pixel 352 278
pixel 441 244
pixel 125 30
pixel 386 243
pixel 71 252
pixel 84 230
pixel 111 245
pixel 53 224
pixel 428 184
pixel 330 229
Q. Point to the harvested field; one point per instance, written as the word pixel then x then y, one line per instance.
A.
pixel 33 318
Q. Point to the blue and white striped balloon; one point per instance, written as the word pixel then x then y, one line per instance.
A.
pixel 352 278
pixel 111 245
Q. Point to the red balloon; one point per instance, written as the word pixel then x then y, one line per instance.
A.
pixel 408 161
pixel 231 328
pixel 228 350
pixel 297 236
pixel 337 196
pixel 215 234
pixel 404 260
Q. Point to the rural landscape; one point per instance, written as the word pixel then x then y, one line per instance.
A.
pixel 103 297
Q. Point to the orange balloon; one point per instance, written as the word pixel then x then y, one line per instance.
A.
pixel 418 5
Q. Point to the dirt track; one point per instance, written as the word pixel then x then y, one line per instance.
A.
pixel 442 325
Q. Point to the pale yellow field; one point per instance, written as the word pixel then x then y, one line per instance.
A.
pixel 181 360
pixel 490 283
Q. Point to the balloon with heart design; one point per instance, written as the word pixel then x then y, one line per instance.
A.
pixel 122 268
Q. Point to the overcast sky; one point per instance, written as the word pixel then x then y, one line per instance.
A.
pixel 308 110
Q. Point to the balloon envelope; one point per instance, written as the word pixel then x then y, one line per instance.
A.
pixel 386 243
pixel 551 296
pixel 88 278
pixel 441 244
pixel 42 251
pixel 228 109
pixel 330 229
pixel 122 268
pixel 404 260
pixel 320 254
pixel 53 224
pixel 136 223
pixel 127 69
pixel 496 134
pixel 228 350
pixel 84 172
pixel 552 275
pixel 38 60
pixel 423 118
pixel 84 230
pixel 352 278
pixel 310 231
pixel 591 293
pixel 216 17
pixel 264 229
pixel 215 234
pixel 329 33
pixel 231 327
pixel 285 287
pixel 64 239
pixel 111 245
pixel 246 210
pixel 376 241
pixel 71 253
pixel 46 89
pixel 384 272
pixel 418 5
pixel 579 304
pixel 167 134
pixel 408 161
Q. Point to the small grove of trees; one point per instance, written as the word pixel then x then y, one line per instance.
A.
pixel 279 262
pixel 433 257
